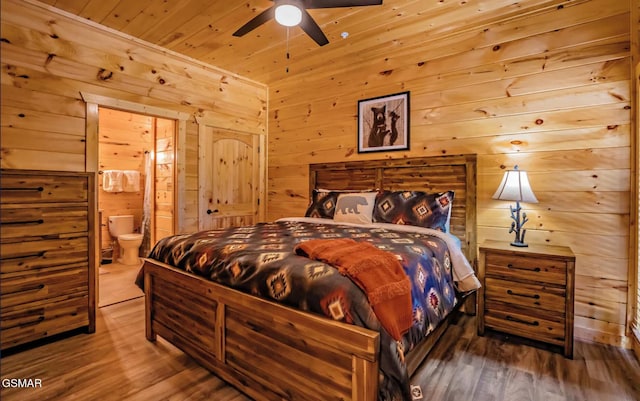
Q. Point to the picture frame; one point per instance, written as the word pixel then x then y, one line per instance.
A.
pixel 383 123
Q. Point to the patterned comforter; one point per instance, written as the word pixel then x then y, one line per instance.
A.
pixel 260 260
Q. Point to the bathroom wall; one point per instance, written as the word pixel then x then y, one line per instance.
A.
pixel 123 139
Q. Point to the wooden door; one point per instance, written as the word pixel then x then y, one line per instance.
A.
pixel 229 178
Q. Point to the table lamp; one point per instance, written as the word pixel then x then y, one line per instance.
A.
pixel 515 187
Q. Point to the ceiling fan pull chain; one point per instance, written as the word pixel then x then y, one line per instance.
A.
pixel 287 69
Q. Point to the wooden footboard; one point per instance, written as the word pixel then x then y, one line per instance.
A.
pixel 266 350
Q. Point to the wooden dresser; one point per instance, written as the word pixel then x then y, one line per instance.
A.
pixel 528 292
pixel 47 266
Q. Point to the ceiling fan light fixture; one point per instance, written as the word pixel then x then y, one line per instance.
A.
pixel 288 15
pixel 294 12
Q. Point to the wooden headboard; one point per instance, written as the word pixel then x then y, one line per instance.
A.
pixel 429 174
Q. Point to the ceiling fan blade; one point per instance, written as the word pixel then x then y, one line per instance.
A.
pixel 311 4
pixel 312 29
pixel 258 20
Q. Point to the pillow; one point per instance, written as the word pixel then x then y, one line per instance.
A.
pixel 323 202
pixel 355 207
pixel 416 208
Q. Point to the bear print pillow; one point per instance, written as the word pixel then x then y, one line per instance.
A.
pixel 355 207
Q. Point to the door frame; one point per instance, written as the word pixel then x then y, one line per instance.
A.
pixel 633 304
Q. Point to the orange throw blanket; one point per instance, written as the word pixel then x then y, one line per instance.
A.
pixel 378 273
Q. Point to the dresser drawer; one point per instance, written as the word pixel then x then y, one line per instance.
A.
pixel 526 268
pixel 526 294
pixel 23 256
pixel 523 323
pixel 39 284
pixel 37 320
pixel 42 221
pixel 19 188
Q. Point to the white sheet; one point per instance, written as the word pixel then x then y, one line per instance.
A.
pixel 463 273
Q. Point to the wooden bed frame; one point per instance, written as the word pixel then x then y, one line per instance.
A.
pixel 273 352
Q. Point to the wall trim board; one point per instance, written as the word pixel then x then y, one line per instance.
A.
pixel 635 341
pixel 633 295
pixel 126 105
pixel 210 122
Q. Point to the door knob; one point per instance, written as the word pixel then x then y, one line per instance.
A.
pixel 209 211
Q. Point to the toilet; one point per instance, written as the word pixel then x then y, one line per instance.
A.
pixel 121 227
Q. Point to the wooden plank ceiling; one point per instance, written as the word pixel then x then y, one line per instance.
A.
pixel 202 29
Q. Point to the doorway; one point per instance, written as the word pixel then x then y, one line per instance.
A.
pixel 136 156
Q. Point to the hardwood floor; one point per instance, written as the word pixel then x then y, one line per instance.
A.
pixel 118 363
pixel 464 366
pixel 117 283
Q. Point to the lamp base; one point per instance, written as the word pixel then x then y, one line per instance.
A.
pixel 519 244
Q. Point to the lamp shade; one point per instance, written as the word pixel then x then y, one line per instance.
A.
pixel 515 187
pixel 288 15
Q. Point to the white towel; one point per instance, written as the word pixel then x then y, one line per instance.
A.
pixel 112 181
pixel 131 181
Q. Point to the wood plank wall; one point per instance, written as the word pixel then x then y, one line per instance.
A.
pixel 546 88
pixel 49 57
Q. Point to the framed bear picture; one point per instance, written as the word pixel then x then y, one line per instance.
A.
pixel 383 123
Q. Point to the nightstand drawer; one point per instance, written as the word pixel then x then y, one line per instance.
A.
pixel 526 325
pixel 526 268
pixel 528 295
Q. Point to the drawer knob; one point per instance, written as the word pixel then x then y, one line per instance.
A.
pixel 517 294
pixel 37 189
pixel 35 288
pixel 24 222
pixel 515 319
pixel 34 322
pixel 23 256
pixel 535 269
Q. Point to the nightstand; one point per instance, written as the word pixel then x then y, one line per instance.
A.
pixel 528 292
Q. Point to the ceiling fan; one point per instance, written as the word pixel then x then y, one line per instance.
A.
pixel 294 12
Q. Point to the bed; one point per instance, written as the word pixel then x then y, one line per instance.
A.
pixel 273 351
